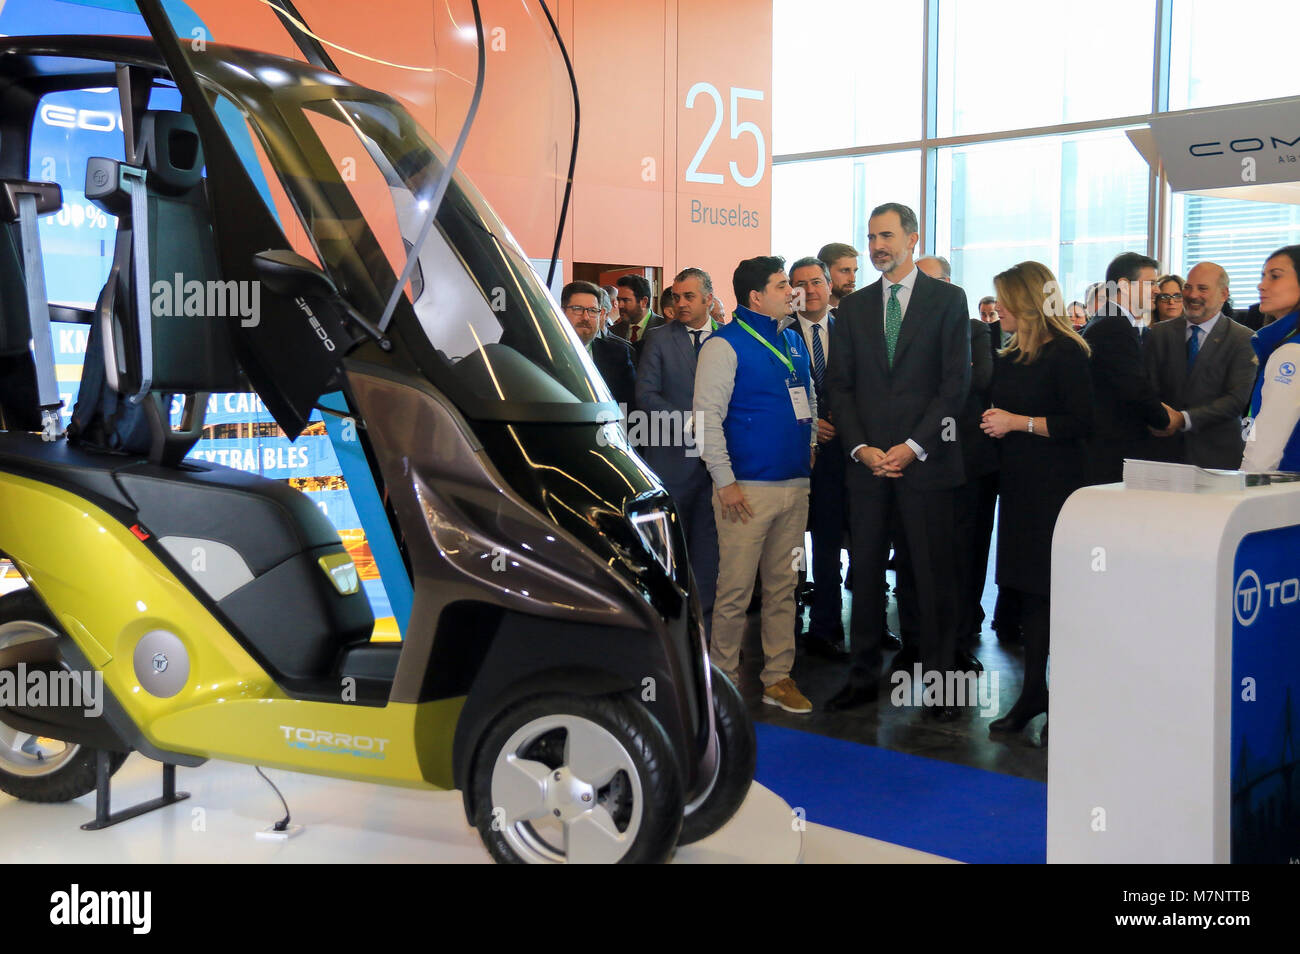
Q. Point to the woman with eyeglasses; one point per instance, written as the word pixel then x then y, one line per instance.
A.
pixel 1041 416
pixel 1273 440
pixel 1169 298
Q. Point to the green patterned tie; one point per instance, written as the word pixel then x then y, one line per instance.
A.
pixel 893 322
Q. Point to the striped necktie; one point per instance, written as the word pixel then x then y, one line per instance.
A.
pixel 819 356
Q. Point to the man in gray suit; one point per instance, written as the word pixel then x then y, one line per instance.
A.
pixel 1203 368
pixel 666 383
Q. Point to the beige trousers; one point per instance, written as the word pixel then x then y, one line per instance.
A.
pixel 770 543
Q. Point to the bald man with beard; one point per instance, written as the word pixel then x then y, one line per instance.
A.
pixel 1203 367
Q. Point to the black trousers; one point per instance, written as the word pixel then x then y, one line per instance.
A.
pixel 976 502
pixel 826 522
pixel 1036 623
pixel 694 499
pixel 920 524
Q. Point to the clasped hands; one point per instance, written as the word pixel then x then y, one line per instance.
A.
pixel 996 422
pixel 888 463
pixel 1176 423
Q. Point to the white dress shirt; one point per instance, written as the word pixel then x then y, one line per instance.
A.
pixel 1206 327
pixel 824 330
pixel 703 332
pixel 1137 324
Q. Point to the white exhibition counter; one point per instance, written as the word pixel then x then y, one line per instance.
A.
pixel 1175 677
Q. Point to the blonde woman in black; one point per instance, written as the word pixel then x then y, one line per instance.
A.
pixel 1041 415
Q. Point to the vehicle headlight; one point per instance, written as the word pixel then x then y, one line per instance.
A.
pixel 655 530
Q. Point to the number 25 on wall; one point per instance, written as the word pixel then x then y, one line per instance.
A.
pixel 693 173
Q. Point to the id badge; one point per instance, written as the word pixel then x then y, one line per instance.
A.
pixel 799 400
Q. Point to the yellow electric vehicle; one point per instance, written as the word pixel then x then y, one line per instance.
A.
pixel 553 666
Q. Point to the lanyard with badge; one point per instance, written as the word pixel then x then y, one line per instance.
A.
pixel 798 393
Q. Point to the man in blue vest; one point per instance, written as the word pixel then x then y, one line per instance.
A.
pixel 754 414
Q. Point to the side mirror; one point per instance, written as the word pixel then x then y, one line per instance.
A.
pixel 288 273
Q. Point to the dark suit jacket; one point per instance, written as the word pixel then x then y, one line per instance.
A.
pixel 665 382
pixel 995 336
pixel 1124 402
pixel 979 452
pixel 1251 317
pixel 1215 395
pixel 621 329
pixel 920 397
pixel 828 470
pixel 613 359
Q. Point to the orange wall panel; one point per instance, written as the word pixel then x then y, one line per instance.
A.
pixel 636 62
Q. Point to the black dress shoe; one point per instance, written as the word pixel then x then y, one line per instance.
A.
pixel 1021 715
pixel 852 696
pixel 1010 635
pixel 966 662
pixel 890 641
pixel 824 648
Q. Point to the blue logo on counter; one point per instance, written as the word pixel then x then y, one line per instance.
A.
pixel 1245 598
pixel 1265 698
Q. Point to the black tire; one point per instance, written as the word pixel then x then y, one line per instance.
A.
pixel 737 755
pixel 76 776
pixel 642 740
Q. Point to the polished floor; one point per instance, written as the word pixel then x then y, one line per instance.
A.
pixel 965 741
pixel 359 823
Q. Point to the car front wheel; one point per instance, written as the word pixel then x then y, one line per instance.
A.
pixel 577 779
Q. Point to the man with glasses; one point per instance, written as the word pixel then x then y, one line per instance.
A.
pixel 581 304
pixel 827 513
pixel 1125 404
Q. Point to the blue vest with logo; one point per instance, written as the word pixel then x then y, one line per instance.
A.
pixel 1267 340
pixel 764 440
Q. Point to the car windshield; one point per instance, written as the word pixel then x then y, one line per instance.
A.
pixel 360 171
pixel 495 333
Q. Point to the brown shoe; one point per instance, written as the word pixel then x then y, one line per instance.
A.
pixel 787 695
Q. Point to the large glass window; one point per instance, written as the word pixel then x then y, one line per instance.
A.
pixel 845 73
pixel 1221 52
pixel 1070 202
pixel 1234 233
pixel 1067 197
pixel 829 200
pixel 1013 64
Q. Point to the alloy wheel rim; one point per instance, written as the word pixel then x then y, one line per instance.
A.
pixel 565 789
pixel 24 753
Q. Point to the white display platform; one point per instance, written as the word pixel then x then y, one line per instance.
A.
pixel 345 821
pixel 1143 691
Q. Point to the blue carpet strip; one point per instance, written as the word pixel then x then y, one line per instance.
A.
pixel 951 810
